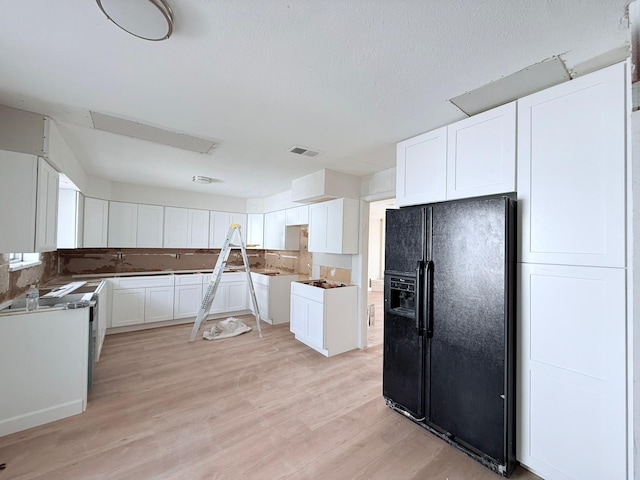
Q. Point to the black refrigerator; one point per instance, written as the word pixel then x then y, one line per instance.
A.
pixel 449 323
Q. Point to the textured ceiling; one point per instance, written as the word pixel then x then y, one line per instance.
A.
pixel 348 78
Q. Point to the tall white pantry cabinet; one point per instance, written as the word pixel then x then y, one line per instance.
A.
pixel 572 278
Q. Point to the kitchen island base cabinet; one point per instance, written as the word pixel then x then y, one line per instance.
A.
pixel 273 297
pixel 325 319
pixel 44 358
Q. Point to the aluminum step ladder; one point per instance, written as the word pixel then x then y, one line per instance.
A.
pixel 218 270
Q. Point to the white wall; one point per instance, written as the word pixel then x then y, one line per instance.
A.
pixel 379 186
pixel 635 206
pixel 127 192
pixel 279 201
pixel 97 187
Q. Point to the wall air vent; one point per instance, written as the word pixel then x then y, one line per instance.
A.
pixel 307 152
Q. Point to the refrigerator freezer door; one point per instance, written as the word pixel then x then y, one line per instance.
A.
pixel 468 351
pixel 404 342
pixel 406 239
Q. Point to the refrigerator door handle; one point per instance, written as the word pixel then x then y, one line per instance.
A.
pixel 428 299
pixel 418 296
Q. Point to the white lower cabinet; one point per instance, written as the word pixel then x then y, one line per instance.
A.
pixel 231 295
pixel 128 307
pixel 571 372
pixel 187 296
pixel 236 296
pixel 325 319
pixel 137 300
pixel 158 305
pixel 273 296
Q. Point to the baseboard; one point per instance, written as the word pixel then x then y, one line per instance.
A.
pixel 40 417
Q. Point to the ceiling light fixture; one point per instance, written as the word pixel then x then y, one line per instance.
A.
pixel 201 179
pixel 147 19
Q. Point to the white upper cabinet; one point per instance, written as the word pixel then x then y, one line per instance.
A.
pixel 47 207
pixel 29 196
pixel 421 170
pixel 197 228
pixel 150 226
pixel 277 236
pixel 297 215
pixel 481 154
pixel 186 228
pixel 218 228
pixel 175 227
pixel 473 157
pixel 255 230
pixel 219 223
pixel 70 208
pixel 96 218
pixel 123 224
pixel 333 226
pixel 571 171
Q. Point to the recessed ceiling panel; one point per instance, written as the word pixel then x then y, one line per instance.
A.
pixel 517 85
pixel 151 134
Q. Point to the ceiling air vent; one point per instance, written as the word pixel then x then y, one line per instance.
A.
pixel 304 151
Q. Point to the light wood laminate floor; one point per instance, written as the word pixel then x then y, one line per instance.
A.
pixel 240 408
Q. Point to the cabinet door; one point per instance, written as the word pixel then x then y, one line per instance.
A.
pixel 299 316
pixel 198 229
pixel 274 225
pixel 297 215
pixel 255 230
pixel 315 324
pixel 96 218
pixel 318 227
pixel 47 207
pixel 128 307
pixel 150 226
pixel 481 154
pixel 219 223
pixel 187 301
pixel 236 296
pixel 18 189
pixel 572 385
pixel 421 168
pixel 335 226
pixel 123 224
pixel 175 227
pixel 571 171
pixel 67 218
pixel 158 304
pixel 240 219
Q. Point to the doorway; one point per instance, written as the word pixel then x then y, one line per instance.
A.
pixel 375 268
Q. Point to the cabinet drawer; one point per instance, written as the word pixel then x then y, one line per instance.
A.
pixel 188 279
pixel 307 291
pixel 143 282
